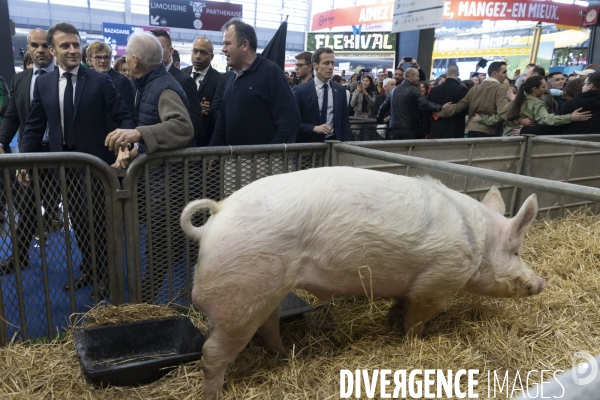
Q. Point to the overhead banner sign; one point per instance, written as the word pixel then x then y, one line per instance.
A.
pixel 412 15
pixel 205 15
pixel 117 35
pixel 520 10
pixel 346 42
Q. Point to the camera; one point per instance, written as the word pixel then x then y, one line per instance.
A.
pixel 407 59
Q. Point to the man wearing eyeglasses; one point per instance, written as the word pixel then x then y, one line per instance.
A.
pixel 99 56
pixel 304 67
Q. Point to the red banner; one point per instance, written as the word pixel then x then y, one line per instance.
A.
pixel 519 10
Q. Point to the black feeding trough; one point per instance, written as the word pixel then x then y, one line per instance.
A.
pixel 138 352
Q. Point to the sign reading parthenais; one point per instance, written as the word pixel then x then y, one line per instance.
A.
pixel 206 15
pixel 473 10
pixel 412 15
pixel 344 42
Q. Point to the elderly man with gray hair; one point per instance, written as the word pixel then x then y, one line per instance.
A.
pixel 161 106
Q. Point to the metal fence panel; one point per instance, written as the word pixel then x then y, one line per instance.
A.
pixel 65 223
pixel 534 184
pixel 499 154
pixel 160 257
pixel 566 158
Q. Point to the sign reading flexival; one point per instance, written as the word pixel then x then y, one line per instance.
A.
pixel 476 10
pixel 117 35
pixel 344 42
pixel 206 15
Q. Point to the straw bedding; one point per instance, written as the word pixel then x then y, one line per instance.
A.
pixel 540 332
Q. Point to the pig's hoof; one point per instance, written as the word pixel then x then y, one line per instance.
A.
pixel 396 316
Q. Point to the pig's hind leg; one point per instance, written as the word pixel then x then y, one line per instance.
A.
pixel 229 338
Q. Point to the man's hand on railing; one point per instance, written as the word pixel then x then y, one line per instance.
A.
pixel 122 137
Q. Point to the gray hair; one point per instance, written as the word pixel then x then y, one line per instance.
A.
pixel 388 80
pixel 145 47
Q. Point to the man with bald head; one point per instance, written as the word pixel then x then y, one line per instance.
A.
pixel 21 89
pixel 19 105
pixel 207 79
pixel 449 91
pixel 403 103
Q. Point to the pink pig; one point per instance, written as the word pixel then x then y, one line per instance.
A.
pixel 343 231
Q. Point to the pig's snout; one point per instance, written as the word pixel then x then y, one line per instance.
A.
pixel 535 285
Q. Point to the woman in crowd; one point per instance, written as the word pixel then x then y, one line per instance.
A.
pixel 121 67
pixel 527 104
pixel 363 97
pixel 27 61
pixel 424 86
pixel 572 89
pixel 441 79
pixel 475 79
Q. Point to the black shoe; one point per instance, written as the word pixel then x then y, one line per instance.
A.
pixel 8 266
pixel 103 291
pixel 84 280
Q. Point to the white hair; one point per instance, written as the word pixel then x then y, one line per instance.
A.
pixel 388 80
pixel 145 47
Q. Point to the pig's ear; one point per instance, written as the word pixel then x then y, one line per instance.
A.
pixel 525 217
pixel 493 199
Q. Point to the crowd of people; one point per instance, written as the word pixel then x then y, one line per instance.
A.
pixel 71 99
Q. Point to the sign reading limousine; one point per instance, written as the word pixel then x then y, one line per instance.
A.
pixel 350 42
pixel 205 15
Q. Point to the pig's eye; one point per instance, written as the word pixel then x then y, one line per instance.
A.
pixel 517 254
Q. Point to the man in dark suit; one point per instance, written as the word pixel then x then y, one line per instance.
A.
pixel 323 104
pixel 449 91
pixel 98 56
pixel 21 89
pixel 186 82
pixel 14 120
pixel 207 79
pixel 73 101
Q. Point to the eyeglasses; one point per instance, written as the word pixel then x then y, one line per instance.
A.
pixel 101 58
pixel 300 65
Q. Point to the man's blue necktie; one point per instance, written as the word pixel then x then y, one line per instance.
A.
pixel 68 112
pixel 324 106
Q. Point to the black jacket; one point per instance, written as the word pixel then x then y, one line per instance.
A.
pixel 207 90
pixel 453 127
pixel 589 101
pixel 404 102
pixel 189 87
